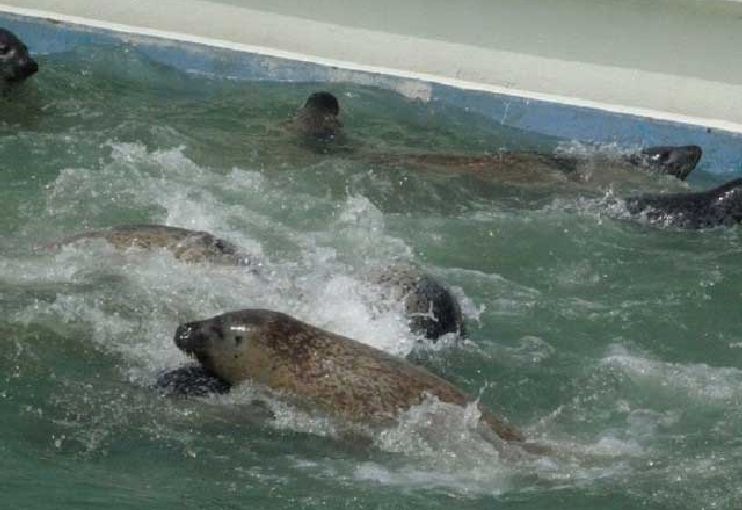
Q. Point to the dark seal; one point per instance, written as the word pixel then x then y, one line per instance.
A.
pixel 15 63
pixel 329 373
pixel 677 161
pixel 721 206
pixel 317 124
pixel 430 306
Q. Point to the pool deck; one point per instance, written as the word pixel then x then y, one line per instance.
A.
pixel 633 73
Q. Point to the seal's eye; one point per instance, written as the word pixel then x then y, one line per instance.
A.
pixel 238 339
pixel 219 244
pixel 4 49
pixel 664 157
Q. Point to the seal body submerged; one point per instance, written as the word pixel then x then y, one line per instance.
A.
pixel 430 306
pixel 339 376
pixel 531 167
pixel 721 206
pixel 15 63
pixel 186 245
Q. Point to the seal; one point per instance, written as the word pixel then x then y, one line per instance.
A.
pixel 331 373
pixel 721 206
pixel 430 306
pixel 15 63
pixel 318 125
pixel 677 161
pixel 531 167
pixel 317 121
pixel 186 245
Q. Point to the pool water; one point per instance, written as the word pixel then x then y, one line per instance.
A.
pixel 617 344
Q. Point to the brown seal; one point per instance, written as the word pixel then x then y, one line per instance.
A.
pixel 186 245
pixel 339 376
pixel 532 167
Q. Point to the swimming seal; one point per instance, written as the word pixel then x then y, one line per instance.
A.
pixel 331 373
pixel 186 245
pixel 721 206
pixel 531 167
pixel 317 120
pixel 15 63
pixel 430 306
pixel 677 161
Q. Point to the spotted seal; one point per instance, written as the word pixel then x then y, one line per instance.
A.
pixel 186 245
pixel 721 206
pixel 15 63
pixel 430 306
pixel 330 373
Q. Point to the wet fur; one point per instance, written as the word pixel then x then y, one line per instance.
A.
pixel 186 245
pixel 340 376
pixel 430 306
pixel 15 63
pixel 721 206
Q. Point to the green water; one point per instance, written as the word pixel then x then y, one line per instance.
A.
pixel 617 344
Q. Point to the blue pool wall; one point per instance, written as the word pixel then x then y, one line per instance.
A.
pixel 722 150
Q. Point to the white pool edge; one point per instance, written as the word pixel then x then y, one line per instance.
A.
pixel 724 125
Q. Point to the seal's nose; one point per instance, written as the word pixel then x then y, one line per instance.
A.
pixel 186 336
pixel 686 160
pixel 31 67
pixel 694 154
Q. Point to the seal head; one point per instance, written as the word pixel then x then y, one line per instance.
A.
pixel 677 161
pixel 222 344
pixel 15 63
pixel 317 120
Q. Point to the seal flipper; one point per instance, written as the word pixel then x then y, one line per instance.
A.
pixel 191 381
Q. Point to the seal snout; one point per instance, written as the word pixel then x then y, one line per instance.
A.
pixel 15 63
pixel 29 68
pixel 188 337
pixel 676 161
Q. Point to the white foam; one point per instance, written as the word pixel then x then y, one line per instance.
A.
pixel 703 384
pixel 317 287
